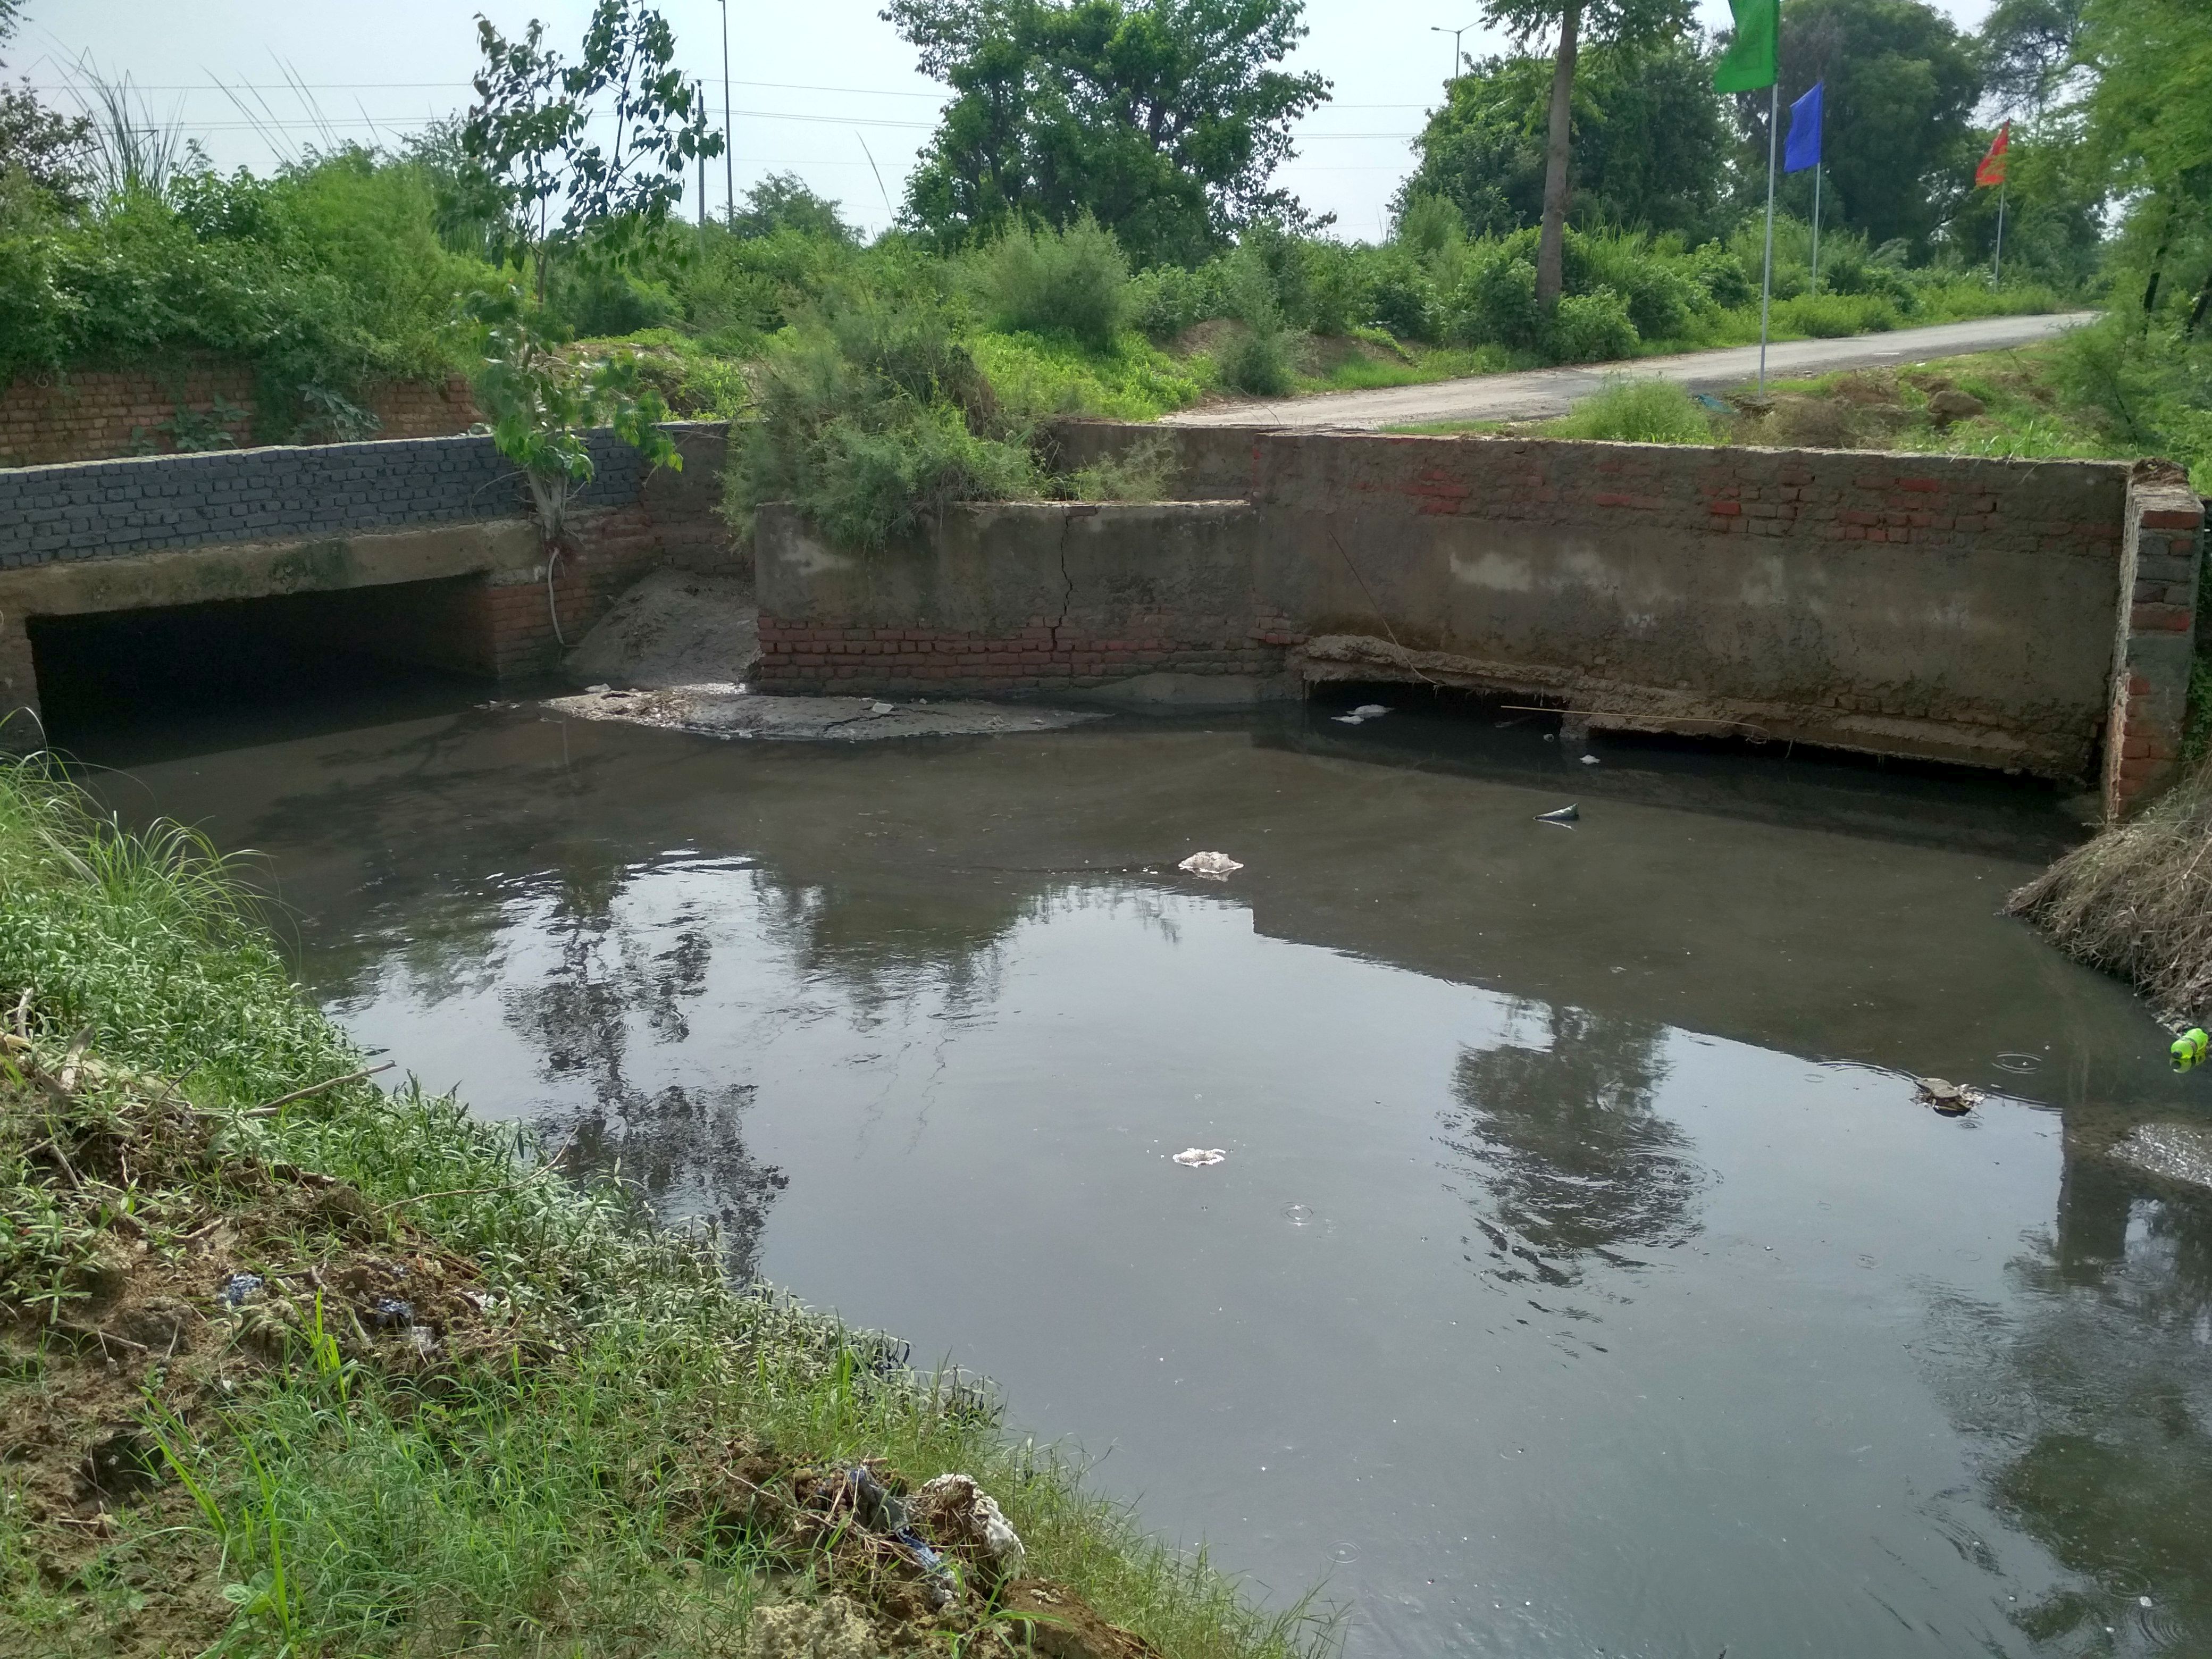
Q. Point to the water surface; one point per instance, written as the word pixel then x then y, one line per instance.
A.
pixel 1582 1277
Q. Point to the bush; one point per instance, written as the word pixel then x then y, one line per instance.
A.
pixel 1592 328
pixel 1660 297
pixel 1073 281
pixel 873 417
pixel 1721 275
pixel 1166 300
pixel 1636 411
pixel 1337 290
pixel 1832 316
pixel 1496 303
pixel 1401 296
pixel 1258 361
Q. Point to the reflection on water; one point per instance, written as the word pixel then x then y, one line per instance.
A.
pixel 1565 1144
pixel 1551 1300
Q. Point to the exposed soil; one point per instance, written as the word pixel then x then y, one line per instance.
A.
pixel 228 1268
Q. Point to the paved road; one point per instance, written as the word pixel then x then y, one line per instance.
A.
pixel 1543 392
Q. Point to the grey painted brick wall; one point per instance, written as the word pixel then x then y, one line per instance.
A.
pixel 104 509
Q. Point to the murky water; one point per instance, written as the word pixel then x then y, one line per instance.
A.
pixel 1577 1281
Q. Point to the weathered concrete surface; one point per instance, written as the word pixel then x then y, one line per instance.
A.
pixel 1946 607
pixel 730 711
pixel 672 628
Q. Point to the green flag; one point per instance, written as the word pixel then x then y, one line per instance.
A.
pixel 1748 63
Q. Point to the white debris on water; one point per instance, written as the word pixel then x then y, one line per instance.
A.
pixel 1365 712
pixel 1210 866
pixel 2178 1151
pixel 1200 1158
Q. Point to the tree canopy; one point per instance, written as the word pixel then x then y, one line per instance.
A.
pixel 1902 86
pixel 1163 119
pixel 1650 145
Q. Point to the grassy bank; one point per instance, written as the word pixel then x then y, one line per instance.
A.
pixel 2096 394
pixel 292 1366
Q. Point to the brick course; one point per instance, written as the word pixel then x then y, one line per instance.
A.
pixel 2156 642
pixel 98 415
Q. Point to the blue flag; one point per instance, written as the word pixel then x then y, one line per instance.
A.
pixel 1801 150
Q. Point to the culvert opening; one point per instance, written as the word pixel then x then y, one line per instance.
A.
pixel 244 670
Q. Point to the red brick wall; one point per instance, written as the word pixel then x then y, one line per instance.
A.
pixel 1041 657
pixel 506 631
pixel 2156 644
pixel 98 416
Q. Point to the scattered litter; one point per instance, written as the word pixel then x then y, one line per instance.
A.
pixel 391 1313
pixel 1952 1099
pixel 2188 1049
pixel 598 690
pixel 964 1518
pixel 881 1511
pixel 880 708
pixel 239 1289
pixel 1212 866
pixel 1201 1157
pixel 1562 815
pixel 1591 760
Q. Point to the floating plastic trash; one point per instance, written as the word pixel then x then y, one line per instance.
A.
pixel 1211 866
pixel 1562 815
pixel 2188 1049
pixel 1359 716
pixel 1200 1158
pixel 1591 760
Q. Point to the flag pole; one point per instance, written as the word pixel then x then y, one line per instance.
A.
pixel 1996 269
pixel 1816 228
pixel 1766 271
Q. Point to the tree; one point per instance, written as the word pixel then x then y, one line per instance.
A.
pixel 782 201
pixel 531 137
pixel 533 134
pixel 1650 142
pixel 1898 143
pixel 1164 119
pixel 40 149
pixel 2028 47
pixel 1617 23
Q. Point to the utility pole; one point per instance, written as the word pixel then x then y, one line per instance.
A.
pixel 1438 28
pixel 729 150
pixel 700 88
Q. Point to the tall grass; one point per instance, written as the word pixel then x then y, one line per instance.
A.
pixel 569 1494
pixel 1636 411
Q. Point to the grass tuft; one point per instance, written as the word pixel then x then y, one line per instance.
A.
pixel 577 1438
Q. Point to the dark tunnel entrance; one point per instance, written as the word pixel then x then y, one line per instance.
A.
pixel 121 684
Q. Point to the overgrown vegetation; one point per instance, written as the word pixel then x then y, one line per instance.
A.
pixel 288 1366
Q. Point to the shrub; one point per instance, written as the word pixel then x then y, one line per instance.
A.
pixel 1832 316
pixel 1401 296
pixel 1592 328
pixel 1073 281
pixel 1636 411
pixel 1722 275
pixel 1138 473
pixel 1496 303
pixel 1337 290
pixel 873 417
pixel 1258 361
pixel 1166 300
pixel 1660 298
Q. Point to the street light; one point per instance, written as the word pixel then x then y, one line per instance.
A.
pixel 1438 28
pixel 729 152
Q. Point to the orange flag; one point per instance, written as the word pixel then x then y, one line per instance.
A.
pixel 1992 168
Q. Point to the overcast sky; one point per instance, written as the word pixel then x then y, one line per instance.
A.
pixel 816 87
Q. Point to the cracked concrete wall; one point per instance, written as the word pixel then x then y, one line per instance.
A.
pixel 1939 606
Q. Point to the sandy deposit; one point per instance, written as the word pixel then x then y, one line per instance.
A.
pixel 672 628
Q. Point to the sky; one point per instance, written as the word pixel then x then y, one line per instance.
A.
pixel 825 90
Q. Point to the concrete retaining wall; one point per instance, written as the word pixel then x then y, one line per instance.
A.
pixel 164 530
pixel 1946 607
